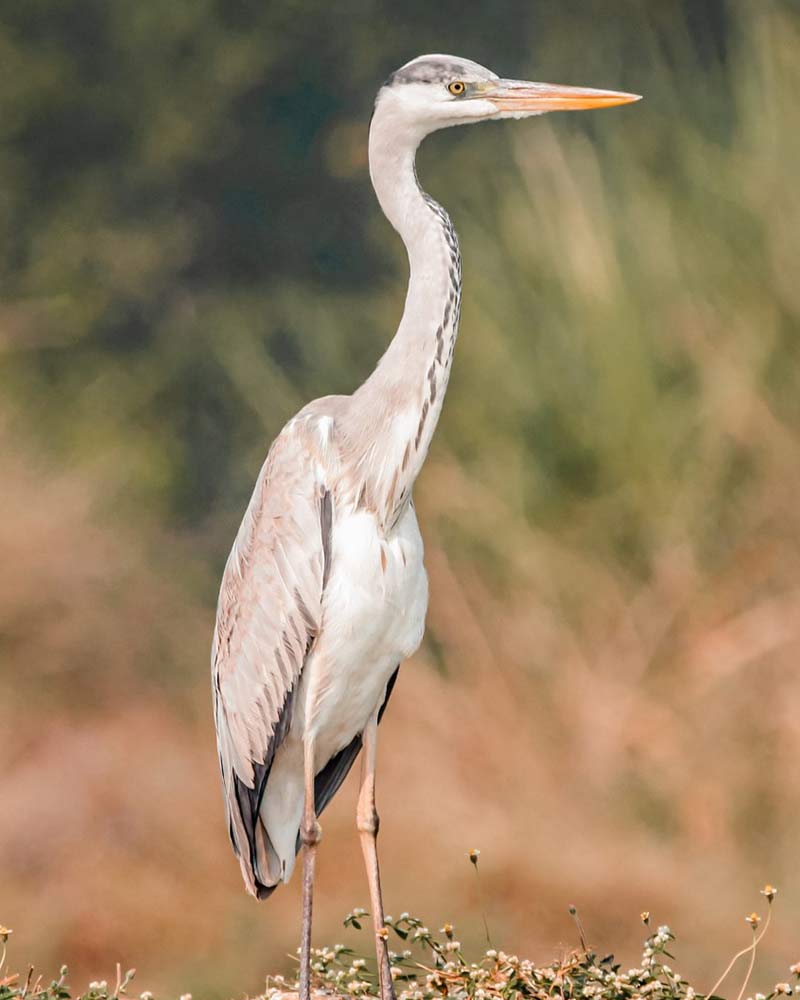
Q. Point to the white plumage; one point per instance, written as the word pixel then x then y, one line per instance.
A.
pixel 377 594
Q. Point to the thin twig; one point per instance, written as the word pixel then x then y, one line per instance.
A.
pixel 473 857
pixel 573 912
pixel 749 972
pixel 738 955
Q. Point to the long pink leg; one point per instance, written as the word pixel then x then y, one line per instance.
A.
pixel 368 823
pixel 310 834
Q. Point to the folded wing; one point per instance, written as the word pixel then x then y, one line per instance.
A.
pixel 268 617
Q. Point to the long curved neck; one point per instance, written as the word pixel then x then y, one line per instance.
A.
pixel 395 412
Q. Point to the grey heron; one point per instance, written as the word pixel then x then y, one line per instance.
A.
pixel 325 593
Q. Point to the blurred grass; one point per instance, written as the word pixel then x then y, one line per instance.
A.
pixel 606 699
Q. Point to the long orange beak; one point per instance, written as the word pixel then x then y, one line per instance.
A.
pixel 521 96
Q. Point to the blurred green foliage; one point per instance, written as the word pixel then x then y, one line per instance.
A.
pixel 173 183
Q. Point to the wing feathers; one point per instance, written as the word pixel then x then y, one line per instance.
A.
pixel 267 619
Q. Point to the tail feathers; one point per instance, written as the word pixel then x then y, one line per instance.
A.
pixel 267 864
pixel 261 867
pixel 264 823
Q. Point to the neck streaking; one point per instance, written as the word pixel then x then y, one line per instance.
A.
pixel 393 415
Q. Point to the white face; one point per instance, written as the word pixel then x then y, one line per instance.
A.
pixel 437 91
pixel 431 106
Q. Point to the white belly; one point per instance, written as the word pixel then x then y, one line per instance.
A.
pixel 373 617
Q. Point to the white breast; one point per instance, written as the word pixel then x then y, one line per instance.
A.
pixel 373 618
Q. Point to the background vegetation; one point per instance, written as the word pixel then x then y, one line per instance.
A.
pixel 607 699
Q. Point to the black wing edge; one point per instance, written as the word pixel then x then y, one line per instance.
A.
pixel 249 799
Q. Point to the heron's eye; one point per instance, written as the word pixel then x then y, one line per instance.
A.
pixel 457 88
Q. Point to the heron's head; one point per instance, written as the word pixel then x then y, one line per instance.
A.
pixel 437 91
